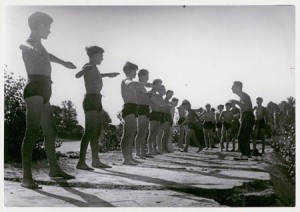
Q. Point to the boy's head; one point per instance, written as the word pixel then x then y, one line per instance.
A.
pixel 169 94
pixel 237 87
pixel 220 107
pixel 207 106
pixel 156 84
pixel 186 104
pixel 143 75
pixel 162 90
pixel 259 100
pixel 130 69
pixel 40 23
pixel 175 101
pixel 228 106
pixel 95 54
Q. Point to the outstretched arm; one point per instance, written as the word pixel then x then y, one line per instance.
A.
pixel 113 74
pixel 61 62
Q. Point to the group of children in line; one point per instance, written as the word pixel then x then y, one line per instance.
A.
pixel 148 115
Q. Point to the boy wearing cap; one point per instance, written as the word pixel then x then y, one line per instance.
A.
pixel 92 106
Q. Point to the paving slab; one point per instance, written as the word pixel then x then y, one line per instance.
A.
pixel 155 182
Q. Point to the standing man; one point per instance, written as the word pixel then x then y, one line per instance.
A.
pixel 247 119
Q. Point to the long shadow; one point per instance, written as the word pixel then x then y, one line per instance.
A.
pixel 91 200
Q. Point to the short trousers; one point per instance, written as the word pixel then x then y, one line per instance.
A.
pixel 130 108
pixel 38 85
pixel 260 124
pixel 227 125
pixel 235 126
pixel 168 118
pixel 154 116
pixel 219 124
pixel 92 102
pixel 144 110
pixel 181 120
pixel 208 125
pixel 192 126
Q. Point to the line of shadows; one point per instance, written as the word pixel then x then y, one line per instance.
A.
pixel 90 199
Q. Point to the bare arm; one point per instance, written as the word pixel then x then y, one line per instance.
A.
pixel 113 74
pixel 84 70
pixel 61 62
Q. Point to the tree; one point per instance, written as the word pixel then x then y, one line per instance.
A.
pixel 15 120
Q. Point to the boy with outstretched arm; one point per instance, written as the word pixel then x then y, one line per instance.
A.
pixel 129 112
pixel 92 106
pixel 37 94
pixel 182 127
pixel 168 120
pixel 191 120
pixel 143 114
pixel 174 103
pixel 154 118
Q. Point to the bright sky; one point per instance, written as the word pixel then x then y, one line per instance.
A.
pixel 198 51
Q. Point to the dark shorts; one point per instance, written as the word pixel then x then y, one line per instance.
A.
pixel 181 120
pixel 192 126
pixel 208 125
pixel 38 85
pixel 219 124
pixel 92 102
pixel 168 118
pixel 227 125
pixel 260 124
pixel 144 110
pixel 129 108
pixel 235 126
pixel 154 116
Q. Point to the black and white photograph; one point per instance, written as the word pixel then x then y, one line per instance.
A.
pixel 149 104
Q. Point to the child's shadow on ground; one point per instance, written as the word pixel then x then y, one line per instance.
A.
pixel 90 199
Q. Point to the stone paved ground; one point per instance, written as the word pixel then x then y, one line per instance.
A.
pixel 207 179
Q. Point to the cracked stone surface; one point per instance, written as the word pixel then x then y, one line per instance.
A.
pixel 146 185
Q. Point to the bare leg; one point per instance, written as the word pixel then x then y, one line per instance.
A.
pixel 127 139
pixel 141 136
pixel 96 163
pixel 34 107
pixel 222 138
pixel 263 139
pixel 153 126
pixel 49 129
pixel 206 138
pixel 228 132
pixel 181 136
pixel 90 124
pixel 164 139
pixel 159 138
pixel 187 140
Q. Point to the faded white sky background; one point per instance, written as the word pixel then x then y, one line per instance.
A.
pixel 198 51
